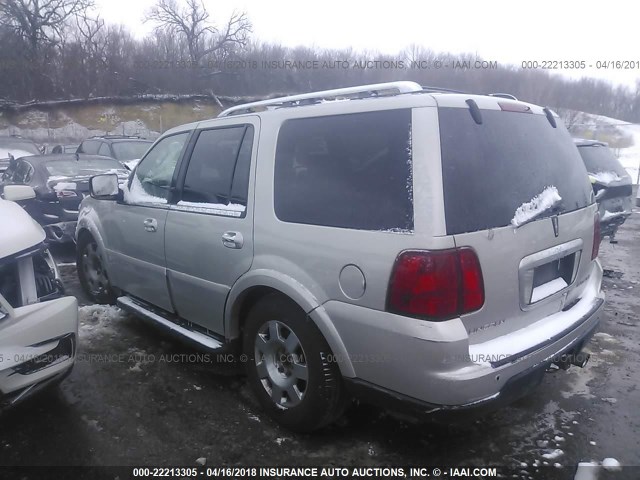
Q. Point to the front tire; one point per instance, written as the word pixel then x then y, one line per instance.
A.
pixel 92 272
pixel 290 367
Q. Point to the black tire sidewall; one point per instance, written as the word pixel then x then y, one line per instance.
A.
pixel 323 399
pixel 109 296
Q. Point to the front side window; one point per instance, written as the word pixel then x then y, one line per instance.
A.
pixel 348 171
pixel 151 182
pixel 90 147
pixel 218 172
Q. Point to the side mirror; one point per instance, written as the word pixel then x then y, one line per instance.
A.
pixel 16 193
pixel 104 187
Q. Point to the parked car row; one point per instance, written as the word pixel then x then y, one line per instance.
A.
pixel 60 178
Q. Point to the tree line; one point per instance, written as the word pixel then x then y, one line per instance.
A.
pixel 62 49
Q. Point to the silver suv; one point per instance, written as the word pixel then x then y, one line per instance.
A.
pixel 423 250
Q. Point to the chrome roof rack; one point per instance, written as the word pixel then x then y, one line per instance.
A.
pixel 362 91
pixel 503 95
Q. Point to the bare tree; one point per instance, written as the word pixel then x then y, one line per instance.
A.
pixel 40 22
pixel 193 22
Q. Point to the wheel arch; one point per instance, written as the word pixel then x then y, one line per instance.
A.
pixel 256 285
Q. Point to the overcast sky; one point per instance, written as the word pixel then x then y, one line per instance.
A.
pixel 501 30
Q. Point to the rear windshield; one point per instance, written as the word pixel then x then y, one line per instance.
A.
pixel 83 167
pixel 600 159
pixel 130 150
pixel 490 170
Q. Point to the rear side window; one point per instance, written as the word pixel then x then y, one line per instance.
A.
pixel 491 169
pixel 349 171
pixel 218 171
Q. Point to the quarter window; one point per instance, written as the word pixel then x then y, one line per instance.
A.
pixel 349 171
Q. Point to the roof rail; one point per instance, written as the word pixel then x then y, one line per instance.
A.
pixel 391 88
pixel 427 88
pixel 503 95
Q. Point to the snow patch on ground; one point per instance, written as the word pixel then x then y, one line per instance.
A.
pixel 553 454
pixel 98 320
pixel 538 204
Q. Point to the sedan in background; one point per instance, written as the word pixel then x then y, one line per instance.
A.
pixel 60 183
pixel 611 183
pixel 15 147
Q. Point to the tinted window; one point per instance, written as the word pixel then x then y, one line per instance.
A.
pixel 104 150
pixel 490 170
pixel 151 182
pixel 90 147
pixel 211 168
pixel 125 151
pixel 350 171
pixel 598 158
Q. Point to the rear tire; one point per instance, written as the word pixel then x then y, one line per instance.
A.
pixel 290 367
pixel 92 273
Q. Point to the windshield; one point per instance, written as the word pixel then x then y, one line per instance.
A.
pixel 68 168
pixel 598 158
pixel 516 155
pixel 130 150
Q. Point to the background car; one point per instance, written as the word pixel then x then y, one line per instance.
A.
pixel 60 183
pixel 16 147
pixel 38 325
pixel 128 150
pixel 611 183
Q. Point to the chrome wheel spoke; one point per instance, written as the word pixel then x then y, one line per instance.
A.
pixel 300 371
pixel 262 370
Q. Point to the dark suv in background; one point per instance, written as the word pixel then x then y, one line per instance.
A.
pixel 128 150
pixel 611 183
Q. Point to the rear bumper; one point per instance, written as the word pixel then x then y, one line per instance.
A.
pixel 610 223
pixel 434 365
pixel 513 389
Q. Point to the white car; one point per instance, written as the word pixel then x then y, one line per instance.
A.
pixel 38 325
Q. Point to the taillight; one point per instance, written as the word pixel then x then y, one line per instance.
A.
pixel 66 193
pixel 436 285
pixel 596 237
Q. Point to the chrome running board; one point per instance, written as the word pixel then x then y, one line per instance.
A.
pixel 140 310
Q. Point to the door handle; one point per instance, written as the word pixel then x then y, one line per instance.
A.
pixel 232 240
pixel 151 225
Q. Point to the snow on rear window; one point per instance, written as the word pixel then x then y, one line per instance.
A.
pixel 538 204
